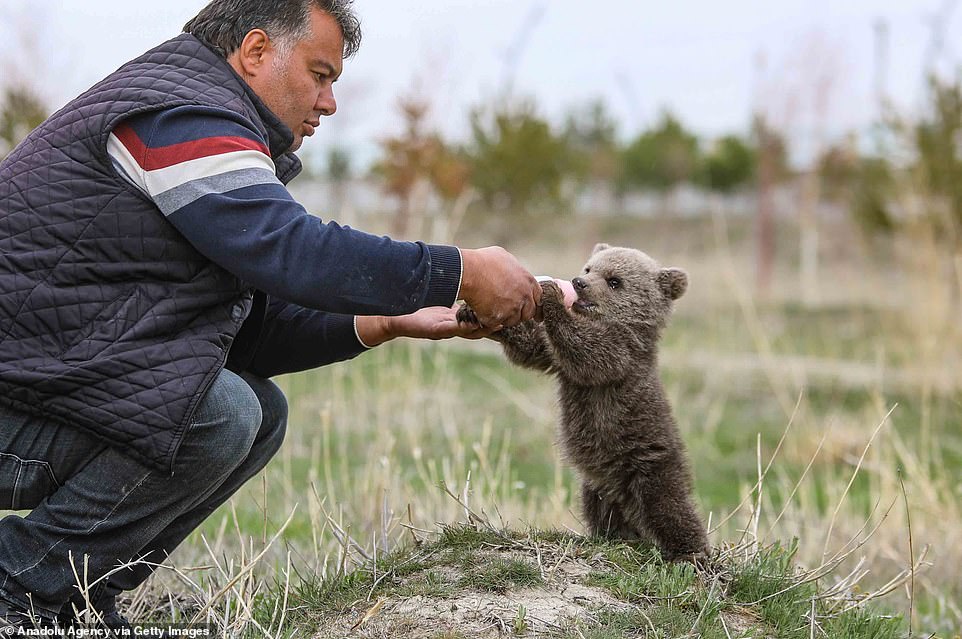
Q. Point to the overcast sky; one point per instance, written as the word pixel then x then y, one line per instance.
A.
pixel 709 61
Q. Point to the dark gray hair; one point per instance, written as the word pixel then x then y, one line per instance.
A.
pixel 222 24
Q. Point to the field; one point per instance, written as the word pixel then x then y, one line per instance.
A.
pixel 829 417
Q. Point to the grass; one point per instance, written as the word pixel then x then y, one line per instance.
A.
pixel 762 593
pixel 768 584
pixel 652 580
pixel 371 442
pixel 501 575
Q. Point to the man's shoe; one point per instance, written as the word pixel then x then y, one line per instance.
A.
pixel 118 623
pixel 113 621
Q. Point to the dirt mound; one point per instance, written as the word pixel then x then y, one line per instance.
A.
pixel 480 583
pixel 483 600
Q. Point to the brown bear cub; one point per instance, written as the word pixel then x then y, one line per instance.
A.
pixel 617 426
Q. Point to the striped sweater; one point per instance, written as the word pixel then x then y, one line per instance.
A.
pixel 212 177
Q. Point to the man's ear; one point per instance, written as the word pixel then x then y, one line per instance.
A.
pixel 673 282
pixel 251 54
pixel 600 247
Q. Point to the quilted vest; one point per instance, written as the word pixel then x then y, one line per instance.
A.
pixel 109 320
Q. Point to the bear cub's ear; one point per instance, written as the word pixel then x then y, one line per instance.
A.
pixel 600 247
pixel 673 282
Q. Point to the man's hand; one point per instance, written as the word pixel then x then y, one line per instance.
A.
pixel 435 322
pixel 499 290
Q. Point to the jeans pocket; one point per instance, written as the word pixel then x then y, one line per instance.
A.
pixel 24 483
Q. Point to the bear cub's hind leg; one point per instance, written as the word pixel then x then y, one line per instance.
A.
pixel 604 518
pixel 660 506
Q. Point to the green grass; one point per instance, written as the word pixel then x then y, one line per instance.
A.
pixel 501 575
pixel 651 581
pixel 767 584
pixel 429 584
pixel 834 332
pixel 863 623
pixel 468 538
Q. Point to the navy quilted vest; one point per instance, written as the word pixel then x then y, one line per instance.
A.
pixel 109 320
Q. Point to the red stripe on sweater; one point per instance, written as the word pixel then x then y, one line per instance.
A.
pixel 165 156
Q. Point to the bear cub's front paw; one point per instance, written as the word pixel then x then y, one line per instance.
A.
pixel 551 292
pixel 466 315
pixel 552 300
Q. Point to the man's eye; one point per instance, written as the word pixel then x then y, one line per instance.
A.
pixel 614 282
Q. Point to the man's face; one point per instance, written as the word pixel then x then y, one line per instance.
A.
pixel 298 85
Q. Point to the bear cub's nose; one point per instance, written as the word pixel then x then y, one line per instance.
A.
pixel 579 284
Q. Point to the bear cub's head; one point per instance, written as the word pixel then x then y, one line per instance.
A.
pixel 627 286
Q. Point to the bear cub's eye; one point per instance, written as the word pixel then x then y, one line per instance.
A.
pixel 614 283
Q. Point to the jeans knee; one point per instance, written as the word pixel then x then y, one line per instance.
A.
pixel 226 423
pixel 273 404
pixel 274 410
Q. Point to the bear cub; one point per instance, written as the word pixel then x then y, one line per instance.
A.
pixel 617 426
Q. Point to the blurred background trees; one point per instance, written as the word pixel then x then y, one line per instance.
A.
pixel 938 168
pixel 21 111
pixel 418 160
pixel 591 135
pixel 661 157
pixel 518 162
pixel 905 170
pixel 729 164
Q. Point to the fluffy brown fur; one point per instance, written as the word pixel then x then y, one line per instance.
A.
pixel 617 426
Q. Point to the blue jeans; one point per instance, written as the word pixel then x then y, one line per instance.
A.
pixel 87 498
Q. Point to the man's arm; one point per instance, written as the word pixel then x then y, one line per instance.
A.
pixel 210 174
pixel 295 338
pixel 212 177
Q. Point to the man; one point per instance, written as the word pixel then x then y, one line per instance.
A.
pixel 155 271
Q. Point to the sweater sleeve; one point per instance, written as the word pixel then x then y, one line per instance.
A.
pixel 295 338
pixel 210 174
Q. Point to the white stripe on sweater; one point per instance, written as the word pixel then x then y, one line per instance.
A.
pixel 162 180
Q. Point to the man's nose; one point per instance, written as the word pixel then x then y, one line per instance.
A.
pixel 326 103
pixel 579 284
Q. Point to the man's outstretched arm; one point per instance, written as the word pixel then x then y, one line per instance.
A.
pixel 210 174
pixel 294 338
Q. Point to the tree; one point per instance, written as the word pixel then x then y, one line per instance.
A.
pixel 516 159
pixel 938 143
pixel 729 164
pixel 338 172
pixel 591 134
pixel 838 168
pixel 866 184
pixel 772 169
pixel 418 157
pixel 928 165
pixel 662 157
pixel 21 111
pixel 771 146
pixel 873 191
pixel 338 164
